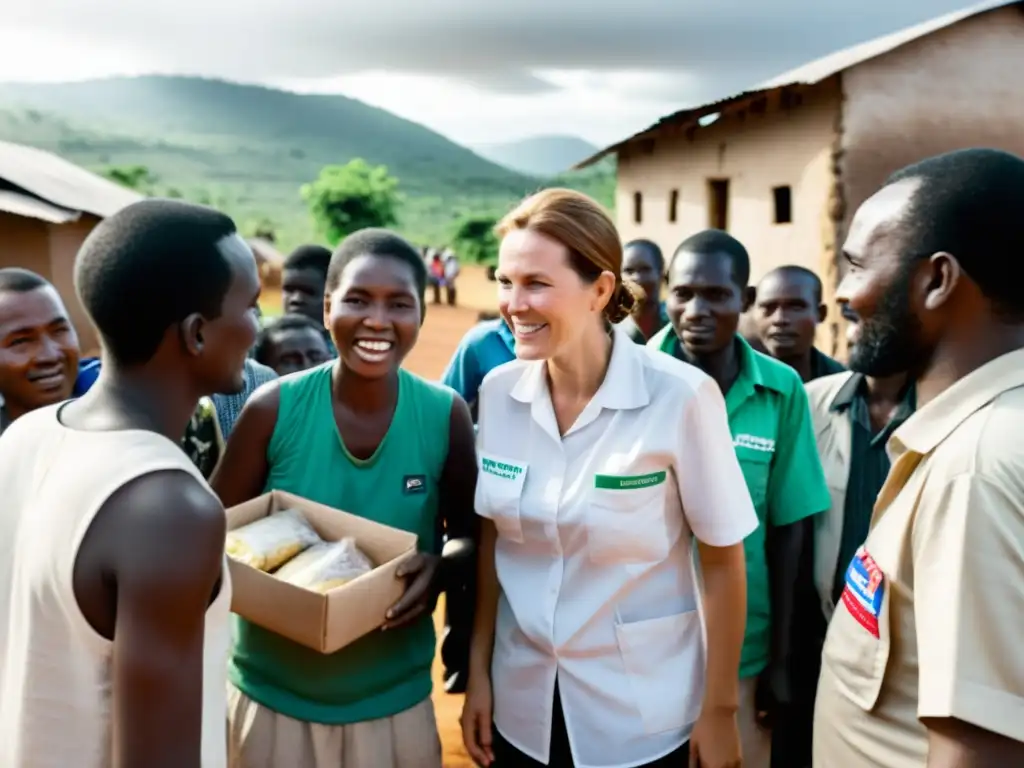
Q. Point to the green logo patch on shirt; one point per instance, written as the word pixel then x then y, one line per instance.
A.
pixel 501 469
pixel 626 483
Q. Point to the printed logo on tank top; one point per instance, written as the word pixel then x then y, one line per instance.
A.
pixel 414 484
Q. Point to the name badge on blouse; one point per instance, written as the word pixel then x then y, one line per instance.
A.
pixel 864 589
pixel 628 483
pixel 502 469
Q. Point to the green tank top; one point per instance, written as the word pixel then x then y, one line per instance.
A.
pixel 382 673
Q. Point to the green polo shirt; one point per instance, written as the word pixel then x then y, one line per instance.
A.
pixel 774 440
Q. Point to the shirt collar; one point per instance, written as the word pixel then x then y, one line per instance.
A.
pixel 855 387
pixel 761 371
pixel 624 386
pixel 937 420
pixel 850 389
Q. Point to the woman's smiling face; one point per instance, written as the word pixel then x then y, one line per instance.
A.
pixel 544 301
pixel 374 314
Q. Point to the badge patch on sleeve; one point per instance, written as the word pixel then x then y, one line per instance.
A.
pixel 864 590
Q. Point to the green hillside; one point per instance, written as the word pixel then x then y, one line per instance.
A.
pixel 247 149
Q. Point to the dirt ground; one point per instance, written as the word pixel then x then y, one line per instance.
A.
pixel 443 328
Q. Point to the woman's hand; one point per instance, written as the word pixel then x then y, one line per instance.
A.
pixel 477 710
pixel 715 742
pixel 420 572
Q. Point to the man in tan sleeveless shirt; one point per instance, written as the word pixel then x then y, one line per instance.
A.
pixel 114 595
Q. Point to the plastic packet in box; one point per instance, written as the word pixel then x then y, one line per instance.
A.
pixel 325 566
pixel 271 541
pixel 328 621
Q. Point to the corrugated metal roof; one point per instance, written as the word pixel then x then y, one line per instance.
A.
pixel 815 71
pixel 33 208
pixel 60 182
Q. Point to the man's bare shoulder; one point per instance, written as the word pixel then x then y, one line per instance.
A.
pixel 168 521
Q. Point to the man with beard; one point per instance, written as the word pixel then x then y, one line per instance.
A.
pixel 38 345
pixel 787 311
pixel 774 442
pixel 114 589
pixel 922 664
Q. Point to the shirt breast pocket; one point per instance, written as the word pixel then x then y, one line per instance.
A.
pixel 626 520
pixel 499 491
pixel 857 645
pixel 756 467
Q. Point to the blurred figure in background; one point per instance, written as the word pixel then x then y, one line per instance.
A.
pixel 291 343
pixel 786 313
pixel 644 265
pixel 302 286
pixel 451 274
pixel 229 407
pixel 38 345
pixel 435 274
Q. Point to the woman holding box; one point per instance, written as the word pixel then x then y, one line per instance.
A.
pixel 600 463
pixel 362 435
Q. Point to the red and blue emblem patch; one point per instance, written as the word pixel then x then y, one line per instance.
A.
pixel 864 590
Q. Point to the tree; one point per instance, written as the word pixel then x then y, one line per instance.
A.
pixel 137 177
pixel 474 239
pixel 348 197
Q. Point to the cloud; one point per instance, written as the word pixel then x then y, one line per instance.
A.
pixel 477 71
pixel 498 47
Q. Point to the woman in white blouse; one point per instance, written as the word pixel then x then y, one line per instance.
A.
pixel 600 463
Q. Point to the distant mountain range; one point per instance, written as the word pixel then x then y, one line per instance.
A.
pixel 542 156
pixel 248 149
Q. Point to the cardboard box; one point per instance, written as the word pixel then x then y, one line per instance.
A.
pixel 323 622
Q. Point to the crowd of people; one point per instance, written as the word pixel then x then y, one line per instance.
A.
pixel 669 529
pixel 443 270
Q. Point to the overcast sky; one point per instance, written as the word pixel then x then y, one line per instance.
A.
pixel 476 70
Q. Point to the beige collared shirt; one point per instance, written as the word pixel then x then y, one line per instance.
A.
pixel 931 619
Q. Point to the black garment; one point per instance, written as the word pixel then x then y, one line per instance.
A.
pixel 459 604
pixel 869 466
pixel 560 756
pixel 823 365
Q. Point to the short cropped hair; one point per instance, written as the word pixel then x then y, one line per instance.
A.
pixel 715 241
pixel 148 267
pixel 377 242
pixel 795 270
pixel 289 322
pixel 652 249
pixel 18 280
pixel 968 204
pixel 315 257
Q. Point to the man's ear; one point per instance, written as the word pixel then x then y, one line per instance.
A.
pixel 822 313
pixel 191 332
pixel 749 297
